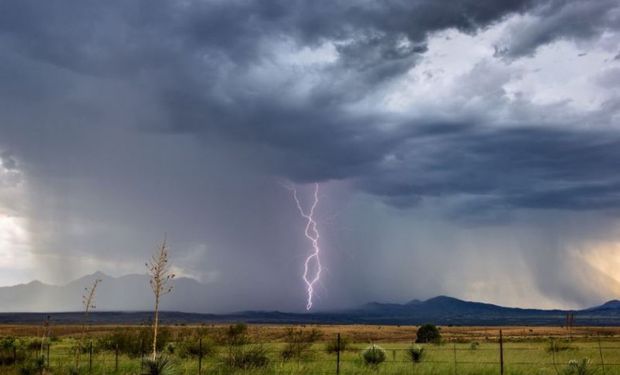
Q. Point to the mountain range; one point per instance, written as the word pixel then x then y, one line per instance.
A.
pixel 26 303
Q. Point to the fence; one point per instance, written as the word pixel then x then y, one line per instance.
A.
pixel 456 356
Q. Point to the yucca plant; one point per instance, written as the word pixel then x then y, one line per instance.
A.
pixel 88 301
pixel 161 365
pixel 576 367
pixel 160 278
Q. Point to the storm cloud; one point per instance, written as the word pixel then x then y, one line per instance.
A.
pixel 120 121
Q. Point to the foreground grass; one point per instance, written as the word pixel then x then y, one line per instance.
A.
pixel 526 358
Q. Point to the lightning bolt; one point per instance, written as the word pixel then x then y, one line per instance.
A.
pixel 312 234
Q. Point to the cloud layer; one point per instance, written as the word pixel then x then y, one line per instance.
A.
pixel 120 121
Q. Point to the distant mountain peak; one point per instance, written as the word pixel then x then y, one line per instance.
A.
pixel 613 304
pixel 443 298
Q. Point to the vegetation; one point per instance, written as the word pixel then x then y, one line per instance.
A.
pixel 428 333
pixel 299 342
pixel 373 355
pixel 132 341
pixel 334 345
pixel 196 346
pixel 159 366
pixel 88 301
pixel 247 357
pixel 257 350
pixel 33 366
pixel 159 270
pixel 11 350
pixel 559 346
pixel 415 353
pixel 576 367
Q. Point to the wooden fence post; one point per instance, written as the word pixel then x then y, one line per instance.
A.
pixel 338 355
pixel 200 356
pixel 141 355
pixel 90 357
pixel 600 352
pixel 116 358
pixel 48 354
pixel 454 350
pixel 501 353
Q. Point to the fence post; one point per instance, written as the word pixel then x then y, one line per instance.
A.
pixel 600 352
pixel 141 355
pixel 200 356
pixel 14 356
pixel 501 353
pixel 338 355
pixel 48 354
pixel 90 357
pixel 454 350
pixel 116 358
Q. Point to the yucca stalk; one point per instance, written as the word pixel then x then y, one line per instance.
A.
pixel 88 301
pixel 159 271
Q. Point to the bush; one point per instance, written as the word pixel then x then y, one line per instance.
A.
pixel 159 366
pixel 236 335
pixel 11 350
pixel 134 342
pixel 34 344
pixel 559 346
pixel 373 355
pixel 428 333
pixel 299 342
pixel 247 358
pixel 415 353
pixel 578 367
pixel 474 345
pixel 192 348
pixel 33 367
pixel 332 346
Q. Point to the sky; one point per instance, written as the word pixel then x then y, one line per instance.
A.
pixel 469 148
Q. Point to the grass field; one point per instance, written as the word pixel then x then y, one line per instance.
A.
pixel 526 350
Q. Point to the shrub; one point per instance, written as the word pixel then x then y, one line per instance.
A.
pixel 415 353
pixel 474 345
pixel 192 348
pixel 299 342
pixel 332 346
pixel 236 335
pixel 134 342
pixel 247 358
pixel 34 344
pixel 11 350
pixel 578 367
pixel 33 367
pixel 428 333
pixel 159 366
pixel 559 346
pixel 373 355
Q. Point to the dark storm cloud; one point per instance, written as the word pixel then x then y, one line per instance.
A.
pixel 528 167
pixel 196 58
pixel 130 119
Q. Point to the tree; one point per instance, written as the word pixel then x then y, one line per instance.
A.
pixel 428 333
pixel 159 271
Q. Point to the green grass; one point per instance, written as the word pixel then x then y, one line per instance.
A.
pixel 521 358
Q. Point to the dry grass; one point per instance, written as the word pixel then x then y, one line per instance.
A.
pixel 356 333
